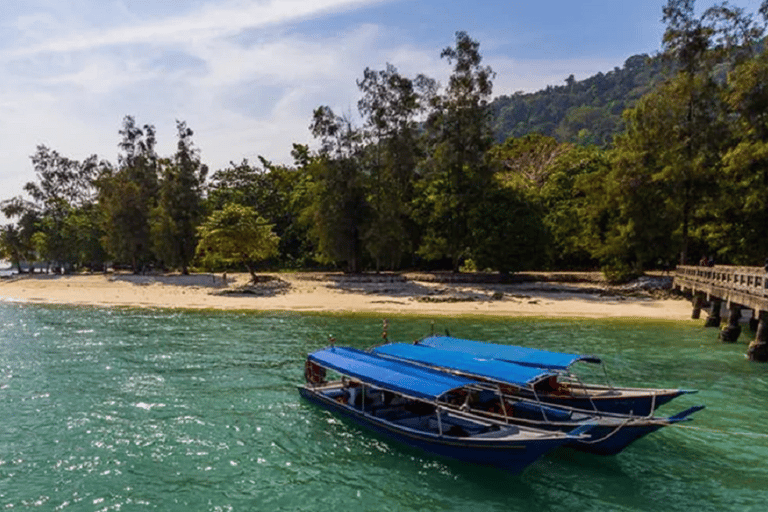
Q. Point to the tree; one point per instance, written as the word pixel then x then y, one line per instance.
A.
pixel 686 42
pixel 16 243
pixel 527 162
pixel 663 174
pixel 63 187
pixel 738 230
pixel 695 45
pixel 236 235
pixel 14 246
pixel 82 228
pixel 545 173
pixel 508 232
pixel 278 193
pixel 389 105
pixel 338 210
pixel 179 209
pixel 238 184
pixel 128 195
pixel 455 171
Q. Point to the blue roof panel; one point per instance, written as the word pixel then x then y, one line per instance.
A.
pixel 495 370
pixel 398 376
pixel 520 355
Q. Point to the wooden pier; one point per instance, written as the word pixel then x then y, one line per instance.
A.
pixel 737 288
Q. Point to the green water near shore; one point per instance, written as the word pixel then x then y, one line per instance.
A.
pixel 147 410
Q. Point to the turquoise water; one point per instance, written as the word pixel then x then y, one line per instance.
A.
pixel 147 410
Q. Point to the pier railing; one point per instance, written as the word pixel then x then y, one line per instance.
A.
pixel 747 286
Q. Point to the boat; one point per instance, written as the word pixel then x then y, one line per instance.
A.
pixel 496 395
pixel 563 387
pixel 406 402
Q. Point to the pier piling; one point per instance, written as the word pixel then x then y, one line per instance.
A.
pixel 714 319
pixel 758 349
pixel 730 333
pixel 698 303
pixel 739 287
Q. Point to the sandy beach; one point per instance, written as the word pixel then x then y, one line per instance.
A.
pixel 405 294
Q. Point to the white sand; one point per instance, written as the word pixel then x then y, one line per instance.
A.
pixel 336 293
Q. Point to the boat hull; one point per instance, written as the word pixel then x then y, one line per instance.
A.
pixel 513 455
pixel 608 440
pixel 609 435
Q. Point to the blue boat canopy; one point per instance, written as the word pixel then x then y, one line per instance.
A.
pixel 398 376
pixel 495 370
pixel 520 355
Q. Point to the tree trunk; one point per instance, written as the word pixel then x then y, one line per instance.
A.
pixel 254 277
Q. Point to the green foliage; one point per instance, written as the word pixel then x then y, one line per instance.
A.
pixel 63 189
pixel 527 162
pixel 236 235
pixel 13 245
pixel 508 232
pixel 667 161
pixel 567 207
pixel 82 230
pixel 456 170
pixel 619 272
pixel 545 173
pixel 738 230
pixel 278 193
pixel 173 222
pixel 124 219
pixel 389 105
pixel 337 209
pixel 582 111
pixel 129 195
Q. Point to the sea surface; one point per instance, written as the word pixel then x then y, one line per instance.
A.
pixel 110 409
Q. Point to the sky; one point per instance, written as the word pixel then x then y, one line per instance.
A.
pixel 246 75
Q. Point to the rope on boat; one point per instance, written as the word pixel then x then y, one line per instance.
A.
pixel 610 434
pixel 719 431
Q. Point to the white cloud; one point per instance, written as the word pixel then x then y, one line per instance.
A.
pixel 209 22
pixel 71 92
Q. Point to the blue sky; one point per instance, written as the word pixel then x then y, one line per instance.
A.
pixel 246 74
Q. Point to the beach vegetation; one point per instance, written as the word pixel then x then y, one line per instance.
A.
pixel 663 160
pixel 236 235
pixel 179 210
pixel 455 172
pixel 128 194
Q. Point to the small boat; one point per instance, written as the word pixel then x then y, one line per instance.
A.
pixel 496 395
pixel 405 402
pixel 563 387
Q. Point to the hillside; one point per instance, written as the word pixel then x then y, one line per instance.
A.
pixel 584 112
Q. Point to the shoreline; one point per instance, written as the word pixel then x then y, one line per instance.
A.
pixel 575 295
